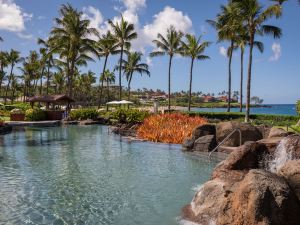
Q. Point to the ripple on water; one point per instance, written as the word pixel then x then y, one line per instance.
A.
pixel 82 175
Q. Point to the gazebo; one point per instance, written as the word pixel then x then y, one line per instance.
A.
pixel 51 102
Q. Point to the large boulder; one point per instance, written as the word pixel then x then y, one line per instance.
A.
pixel 277 132
pixel 291 172
pixel 248 131
pixel 246 157
pixel 188 144
pixel 292 145
pixel 261 198
pixel 204 130
pixel 205 144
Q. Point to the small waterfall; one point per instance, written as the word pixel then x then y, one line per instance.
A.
pixel 282 154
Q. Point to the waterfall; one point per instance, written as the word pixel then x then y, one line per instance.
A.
pixel 281 155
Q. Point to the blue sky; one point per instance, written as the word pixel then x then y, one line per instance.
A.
pixel 276 72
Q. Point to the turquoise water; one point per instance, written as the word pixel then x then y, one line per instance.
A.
pixel 277 109
pixel 83 175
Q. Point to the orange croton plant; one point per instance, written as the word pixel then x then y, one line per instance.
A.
pixel 169 128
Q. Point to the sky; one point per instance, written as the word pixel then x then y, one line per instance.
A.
pixel 276 72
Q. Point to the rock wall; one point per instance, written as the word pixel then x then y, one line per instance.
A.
pixel 242 192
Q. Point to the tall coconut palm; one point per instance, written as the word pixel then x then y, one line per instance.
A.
pixel 108 77
pixel 3 65
pixel 13 58
pixel 133 65
pixel 47 62
pixel 70 38
pixel 228 25
pixel 107 45
pixel 241 42
pixel 194 49
pixel 58 81
pixel 254 17
pixel 169 45
pixel 124 32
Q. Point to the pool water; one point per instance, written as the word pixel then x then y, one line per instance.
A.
pixel 84 175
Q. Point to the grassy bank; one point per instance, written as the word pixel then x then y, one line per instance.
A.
pixel 273 120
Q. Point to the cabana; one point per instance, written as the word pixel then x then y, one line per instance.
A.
pixel 53 104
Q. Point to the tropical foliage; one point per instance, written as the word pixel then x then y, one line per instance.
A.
pixel 169 128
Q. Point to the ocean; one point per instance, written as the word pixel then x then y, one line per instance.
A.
pixel 276 109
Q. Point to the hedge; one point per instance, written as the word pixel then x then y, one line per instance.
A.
pixel 278 120
pixel 84 114
pixel 35 115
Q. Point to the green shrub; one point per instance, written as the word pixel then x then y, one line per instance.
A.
pixel 274 120
pixel 84 114
pixel 129 116
pixel 35 115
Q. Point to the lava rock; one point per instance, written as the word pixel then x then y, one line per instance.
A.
pixel 205 143
pixel 248 131
pixel 204 130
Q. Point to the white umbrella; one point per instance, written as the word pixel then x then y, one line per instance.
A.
pixel 124 102
pixel 113 103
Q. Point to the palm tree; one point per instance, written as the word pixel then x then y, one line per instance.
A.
pixel 107 45
pixel 124 32
pixel 70 39
pixel 13 58
pixel 241 42
pixel 133 65
pixel 47 62
pixel 194 49
pixel 108 77
pixel 228 26
pixel 254 17
pixel 3 65
pixel 169 45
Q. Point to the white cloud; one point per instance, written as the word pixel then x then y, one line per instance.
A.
pixel 134 5
pixel 223 51
pixel 94 15
pixel 12 18
pixel 42 17
pixel 25 36
pixel 131 10
pixel 163 20
pixel 149 61
pixel 276 49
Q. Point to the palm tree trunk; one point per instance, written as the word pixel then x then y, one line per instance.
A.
pixel 129 82
pixel 107 85
pixel 169 83
pixel 48 77
pixel 41 81
pixel 24 91
pixel 9 79
pixel 190 89
pixel 102 82
pixel 229 77
pixel 242 80
pixel 249 80
pixel 120 74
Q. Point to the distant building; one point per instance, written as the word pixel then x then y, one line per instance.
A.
pixel 209 99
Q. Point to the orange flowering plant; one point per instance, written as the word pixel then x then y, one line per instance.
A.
pixel 169 128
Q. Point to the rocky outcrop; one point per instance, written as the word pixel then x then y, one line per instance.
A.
pixel 249 133
pixel 205 144
pixel 127 130
pixel 188 144
pixel 277 132
pixel 203 139
pixel 291 172
pixel 242 192
pixel 206 129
